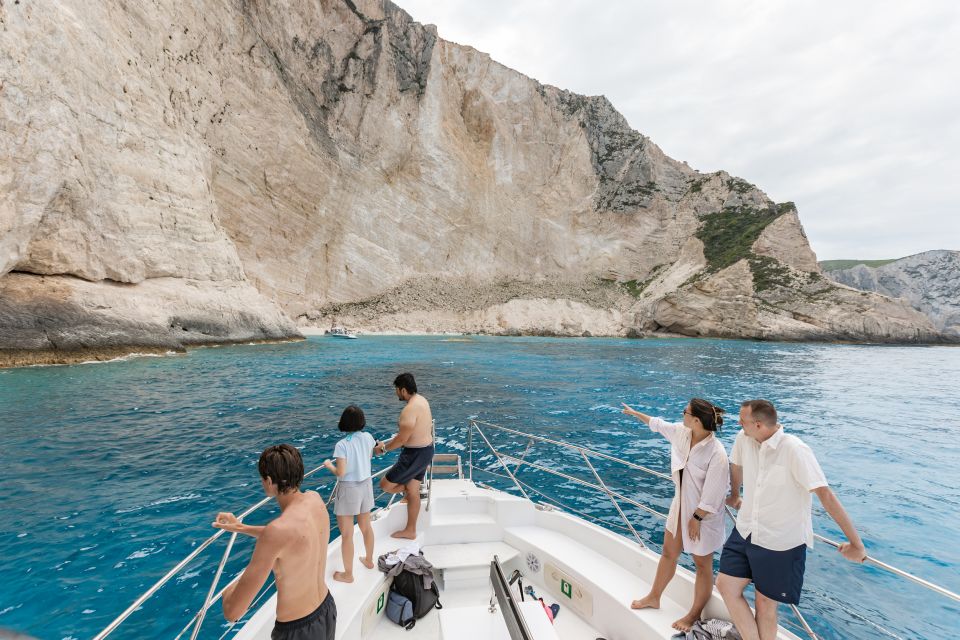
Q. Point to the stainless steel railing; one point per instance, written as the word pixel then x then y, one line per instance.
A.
pixel 585 454
pixel 213 596
pixel 614 496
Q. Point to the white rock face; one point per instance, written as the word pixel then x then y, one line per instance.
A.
pixel 785 240
pixel 928 281
pixel 312 160
pixel 63 319
pixel 803 306
pixel 543 316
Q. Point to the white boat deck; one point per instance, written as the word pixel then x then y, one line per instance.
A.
pixel 591 572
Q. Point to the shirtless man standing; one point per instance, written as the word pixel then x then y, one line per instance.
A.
pixel 293 546
pixel 415 435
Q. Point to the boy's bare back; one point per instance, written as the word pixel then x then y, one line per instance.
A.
pixel 302 530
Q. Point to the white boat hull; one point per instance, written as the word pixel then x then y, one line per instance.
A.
pixel 591 572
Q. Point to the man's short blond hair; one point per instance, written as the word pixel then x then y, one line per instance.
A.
pixel 762 410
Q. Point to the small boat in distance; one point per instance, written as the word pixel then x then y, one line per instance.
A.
pixel 340 332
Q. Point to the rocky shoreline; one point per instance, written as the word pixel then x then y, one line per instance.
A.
pixel 10 358
pixel 723 305
pixel 227 173
pixel 14 358
pixel 928 281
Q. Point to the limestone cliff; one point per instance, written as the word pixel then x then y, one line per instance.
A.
pixel 252 166
pixel 928 281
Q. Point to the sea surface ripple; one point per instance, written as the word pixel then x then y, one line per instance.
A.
pixel 112 472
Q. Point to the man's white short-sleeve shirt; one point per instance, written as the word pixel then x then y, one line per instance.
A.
pixel 778 476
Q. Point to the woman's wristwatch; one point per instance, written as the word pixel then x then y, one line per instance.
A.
pixel 697 517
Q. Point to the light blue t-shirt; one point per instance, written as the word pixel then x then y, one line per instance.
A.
pixel 357 448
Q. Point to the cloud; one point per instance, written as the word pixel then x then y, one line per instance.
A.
pixel 850 109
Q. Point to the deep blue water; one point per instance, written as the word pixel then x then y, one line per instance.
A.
pixel 112 472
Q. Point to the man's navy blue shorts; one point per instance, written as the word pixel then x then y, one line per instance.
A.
pixel 776 574
pixel 412 464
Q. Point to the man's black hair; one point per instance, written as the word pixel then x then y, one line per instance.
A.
pixel 406 381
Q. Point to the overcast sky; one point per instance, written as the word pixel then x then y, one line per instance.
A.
pixel 849 108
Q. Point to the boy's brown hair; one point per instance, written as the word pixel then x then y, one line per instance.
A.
pixel 283 464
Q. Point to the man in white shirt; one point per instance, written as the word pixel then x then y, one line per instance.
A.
pixel 768 546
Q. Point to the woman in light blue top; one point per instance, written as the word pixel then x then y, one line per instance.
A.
pixel 353 496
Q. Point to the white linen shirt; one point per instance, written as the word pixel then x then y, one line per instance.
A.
pixel 706 482
pixel 778 476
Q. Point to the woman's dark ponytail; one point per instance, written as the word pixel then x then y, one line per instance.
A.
pixel 709 414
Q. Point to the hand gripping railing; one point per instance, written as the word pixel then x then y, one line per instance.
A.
pixel 586 454
pixel 213 596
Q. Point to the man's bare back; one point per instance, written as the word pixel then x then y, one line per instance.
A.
pixel 299 568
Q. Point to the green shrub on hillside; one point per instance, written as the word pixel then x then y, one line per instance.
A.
pixel 769 273
pixel 739 185
pixel 637 287
pixel 786 207
pixel 727 236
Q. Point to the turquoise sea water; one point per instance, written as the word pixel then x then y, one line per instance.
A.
pixel 112 472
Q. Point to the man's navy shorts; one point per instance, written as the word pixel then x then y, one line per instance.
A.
pixel 412 464
pixel 776 574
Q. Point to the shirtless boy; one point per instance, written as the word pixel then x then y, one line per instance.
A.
pixel 293 546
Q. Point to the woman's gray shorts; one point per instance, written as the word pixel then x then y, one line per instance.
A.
pixel 353 498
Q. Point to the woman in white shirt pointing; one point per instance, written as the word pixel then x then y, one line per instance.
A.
pixel 701 475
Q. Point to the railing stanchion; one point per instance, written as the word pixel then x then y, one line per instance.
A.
pixel 470 447
pixel 433 438
pixel 560 474
pixel 502 463
pixel 333 492
pixel 567 445
pixel 524 455
pixel 213 586
pixel 612 499
pixel 803 622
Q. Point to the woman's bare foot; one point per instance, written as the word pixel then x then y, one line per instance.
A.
pixel 684 623
pixel 367 563
pixel 342 576
pixel 403 533
pixel 646 602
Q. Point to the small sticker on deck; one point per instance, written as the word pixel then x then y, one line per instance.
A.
pixel 380 602
pixel 566 589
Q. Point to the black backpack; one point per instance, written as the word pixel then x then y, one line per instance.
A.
pixel 410 586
